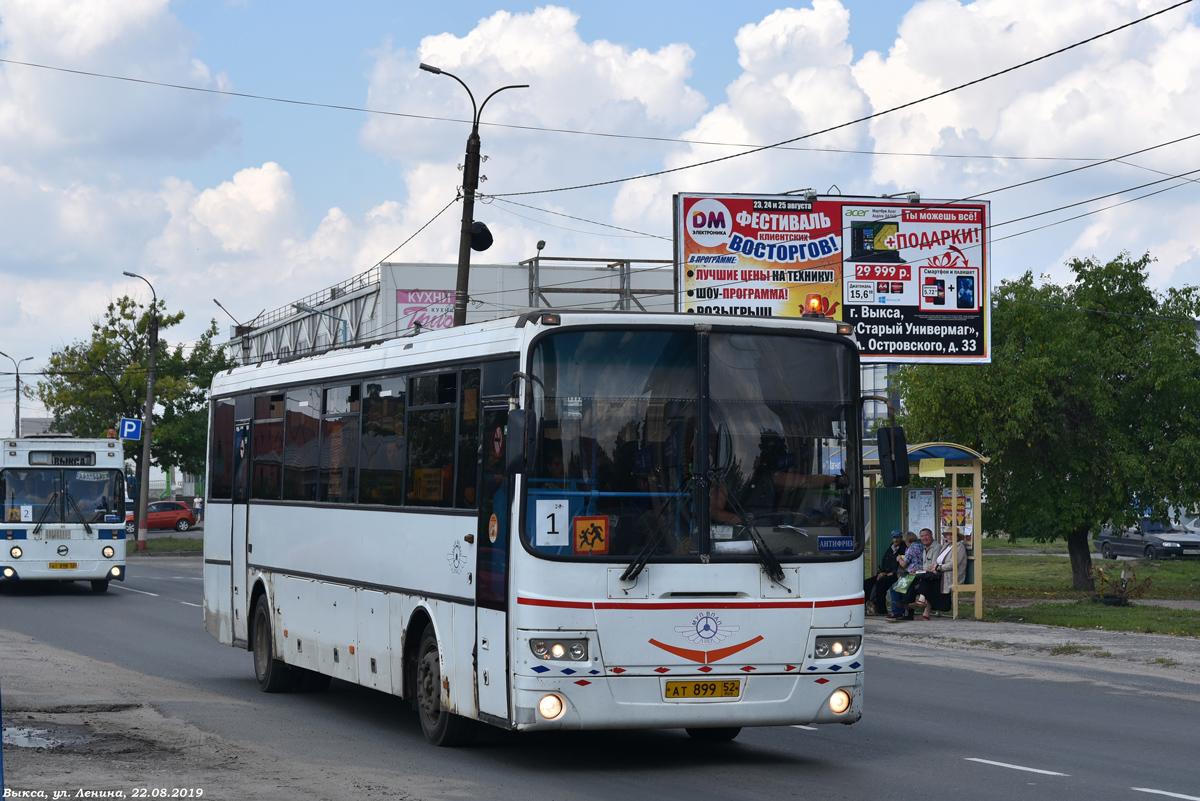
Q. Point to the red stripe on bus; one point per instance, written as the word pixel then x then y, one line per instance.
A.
pixel 557 604
pixel 668 606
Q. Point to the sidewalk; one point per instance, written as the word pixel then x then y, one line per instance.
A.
pixel 1115 650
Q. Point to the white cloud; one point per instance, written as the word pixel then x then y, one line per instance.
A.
pixel 45 115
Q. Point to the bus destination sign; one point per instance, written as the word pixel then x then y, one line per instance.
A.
pixel 62 458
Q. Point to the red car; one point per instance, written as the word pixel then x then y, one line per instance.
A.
pixel 164 514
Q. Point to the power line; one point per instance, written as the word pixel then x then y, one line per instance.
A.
pixel 512 126
pixel 868 117
pixel 487 198
pixel 414 235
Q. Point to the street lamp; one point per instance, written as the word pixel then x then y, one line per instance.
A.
pixel 17 369
pixel 148 424
pixel 470 184
pixel 305 308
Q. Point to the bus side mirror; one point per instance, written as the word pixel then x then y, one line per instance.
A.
pixel 515 442
pixel 893 457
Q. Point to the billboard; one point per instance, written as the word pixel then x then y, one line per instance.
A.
pixel 429 308
pixel 911 278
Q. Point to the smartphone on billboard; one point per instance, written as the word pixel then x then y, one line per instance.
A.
pixel 966 291
pixel 939 297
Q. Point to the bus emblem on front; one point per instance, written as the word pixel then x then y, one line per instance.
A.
pixel 707 628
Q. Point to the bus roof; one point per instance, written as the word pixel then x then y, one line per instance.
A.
pixel 476 340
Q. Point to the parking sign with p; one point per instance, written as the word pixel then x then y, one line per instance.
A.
pixel 131 428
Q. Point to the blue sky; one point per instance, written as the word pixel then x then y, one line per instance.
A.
pixel 261 203
pixel 302 51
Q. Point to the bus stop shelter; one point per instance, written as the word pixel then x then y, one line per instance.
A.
pixel 951 468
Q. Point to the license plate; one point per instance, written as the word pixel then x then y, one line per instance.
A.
pixel 63 565
pixel 1191 551
pixel 687 690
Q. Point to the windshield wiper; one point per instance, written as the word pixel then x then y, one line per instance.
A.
pixel 46 511
pixel 639 562
pixel 78 514
pixel 770 563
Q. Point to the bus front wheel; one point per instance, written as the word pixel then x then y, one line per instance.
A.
pixel 440 726
pixel 274 676
pixel 100 585
pixel 718 735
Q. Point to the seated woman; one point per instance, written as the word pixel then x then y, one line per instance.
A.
pixel 939 597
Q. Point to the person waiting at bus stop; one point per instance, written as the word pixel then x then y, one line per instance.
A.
pixel 909 564
pixel 875 589
pixel 926 580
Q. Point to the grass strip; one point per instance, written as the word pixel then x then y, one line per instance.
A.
pixel 1049 577
pixel 161 544
pixel 1088 615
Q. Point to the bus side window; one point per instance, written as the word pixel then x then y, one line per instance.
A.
pixel 339 444
pixel 381 442
pixel 468 441
pixel 220 460
pixel 267 448
pixel 301 432
pixel 431 440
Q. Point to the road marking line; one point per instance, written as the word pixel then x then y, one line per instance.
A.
pixel 1164 792
pixel 1016 767
pixel 198 606
pixel 806 728
pixel 131 589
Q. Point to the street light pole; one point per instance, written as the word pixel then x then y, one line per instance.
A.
pixel 470 185
pixel 17 370
pixel 148 422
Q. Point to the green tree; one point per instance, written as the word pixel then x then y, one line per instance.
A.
pixel 90 384
pixel 1090 409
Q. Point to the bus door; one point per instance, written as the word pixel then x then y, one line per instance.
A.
pixel 237 545
pixel 493 539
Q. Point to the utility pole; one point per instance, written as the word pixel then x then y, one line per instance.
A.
pixel 17 370
pixel 148 422
pixel 470 185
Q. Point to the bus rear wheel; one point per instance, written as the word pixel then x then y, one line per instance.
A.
pixel 274 676
pixel 440 726
pixel 722 734
pixel 100 585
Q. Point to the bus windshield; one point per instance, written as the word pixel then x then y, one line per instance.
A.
pixel 37 495
pixel 615 474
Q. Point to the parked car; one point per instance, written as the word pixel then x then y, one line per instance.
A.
pixel 1148 539
pixel 162 514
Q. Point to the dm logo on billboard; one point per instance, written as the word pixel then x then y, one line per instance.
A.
pixel 709 223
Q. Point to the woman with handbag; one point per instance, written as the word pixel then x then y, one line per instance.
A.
pixel 907 566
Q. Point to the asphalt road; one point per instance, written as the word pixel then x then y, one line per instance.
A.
pixel 938 724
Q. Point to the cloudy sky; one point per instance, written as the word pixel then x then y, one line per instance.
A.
pixel 259 203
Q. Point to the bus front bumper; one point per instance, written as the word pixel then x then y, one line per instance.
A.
pixel 638 702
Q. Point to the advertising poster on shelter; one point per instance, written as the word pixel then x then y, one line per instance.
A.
pixel 911 278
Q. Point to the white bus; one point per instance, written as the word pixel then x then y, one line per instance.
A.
pixel 561 520
pixel 62 517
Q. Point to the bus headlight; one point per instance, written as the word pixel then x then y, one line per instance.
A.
pixel 115 572
pixel 837 646
pixel 566 650
pixel 550 707
pixel 9 572
pixel 108 552
pixel 839 702
pixel 15 552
